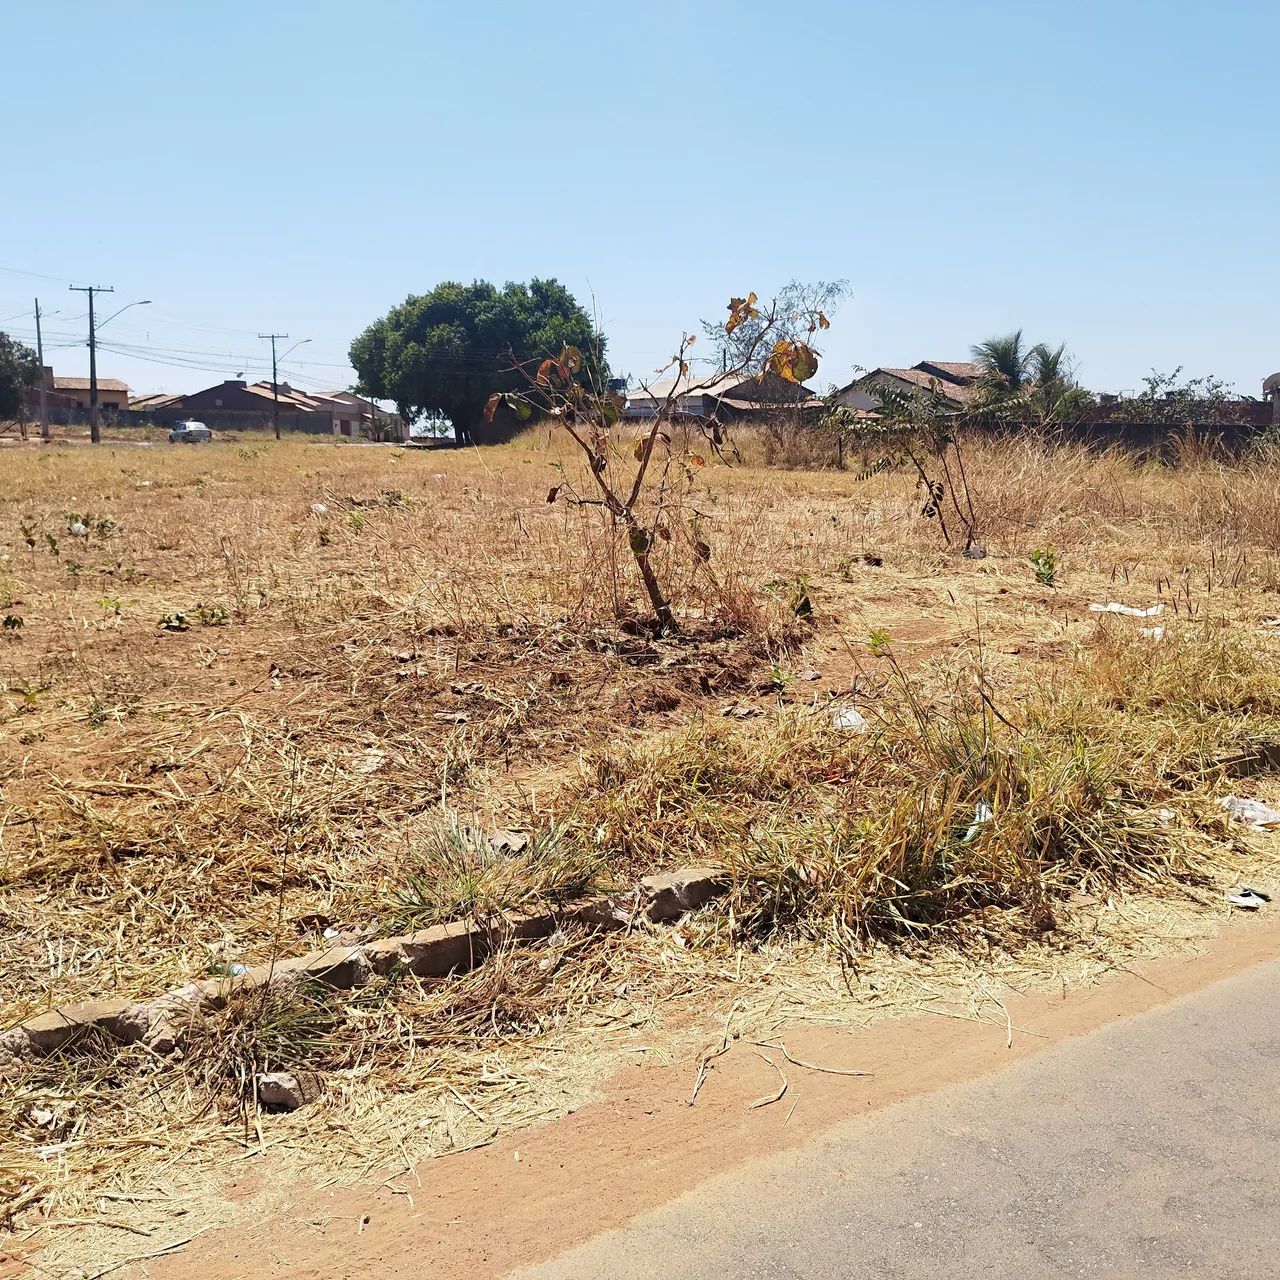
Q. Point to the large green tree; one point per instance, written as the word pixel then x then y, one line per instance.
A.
pixel 447 351
pixel 19 370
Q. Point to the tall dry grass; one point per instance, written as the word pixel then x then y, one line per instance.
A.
pixel 1100 776
pixel 283 692
pixel 371 634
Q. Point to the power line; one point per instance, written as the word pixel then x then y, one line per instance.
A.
pixel 232 362
pixel 179 323
pixel 35 275
pixel 177 351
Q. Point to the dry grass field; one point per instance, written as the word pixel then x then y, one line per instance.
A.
pixel 256 695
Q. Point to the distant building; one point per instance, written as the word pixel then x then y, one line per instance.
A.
pixel 152 403
pixel 354 416
pixel 956 380
pixel 696 395
pixel 237 396
pixel 112 394
pixel 236 404
pixel 63 402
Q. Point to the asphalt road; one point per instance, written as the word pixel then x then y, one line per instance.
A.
pixel 1149 1148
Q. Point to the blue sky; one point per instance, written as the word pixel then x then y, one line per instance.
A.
pixel 1104 174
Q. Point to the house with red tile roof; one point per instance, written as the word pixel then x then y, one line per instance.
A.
pixel 956 380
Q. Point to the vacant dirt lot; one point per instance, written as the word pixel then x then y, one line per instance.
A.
pixel 257 696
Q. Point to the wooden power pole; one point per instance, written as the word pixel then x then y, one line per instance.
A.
pixel 44 397
pixel 275 385
pixel 95 431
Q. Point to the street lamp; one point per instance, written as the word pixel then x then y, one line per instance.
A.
pixel 295 346
pixel 142 302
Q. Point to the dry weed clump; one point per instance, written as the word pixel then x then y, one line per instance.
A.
pixel 477 1054
pixel 951 803
pixel 456 872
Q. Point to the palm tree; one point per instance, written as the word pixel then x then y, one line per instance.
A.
pixel 1050 365
pixel 1024 383
pixel 1006 364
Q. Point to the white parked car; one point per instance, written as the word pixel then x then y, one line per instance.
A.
pixel 190 433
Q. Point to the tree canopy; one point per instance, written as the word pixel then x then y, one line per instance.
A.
pixel 19 370
pixel 788 318
pixel 448 351
pixel 1177 400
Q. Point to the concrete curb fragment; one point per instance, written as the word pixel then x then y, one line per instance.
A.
pixel 434 952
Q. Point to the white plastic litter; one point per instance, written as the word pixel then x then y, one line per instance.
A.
pixel 1152 633
pixel 318 508
pixel 852 719
pixel 78 530
pixel 1248 899
pixel 982 813
pixel 1251 812
pixel 1127 609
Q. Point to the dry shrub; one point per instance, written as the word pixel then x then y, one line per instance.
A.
pixel 788 441
pixel 949 805
pixel 282 1027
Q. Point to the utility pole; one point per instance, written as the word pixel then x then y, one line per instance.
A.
pixel 44 399
pixel 275 386
pixel 95 431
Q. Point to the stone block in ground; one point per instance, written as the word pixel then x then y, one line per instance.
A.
pixel 288 1090
pixel 659 898
pixel 49 1032
pixel 432 952
pixel 670 894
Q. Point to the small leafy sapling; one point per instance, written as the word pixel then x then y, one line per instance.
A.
pixel 878 642
pixel 636 485
pixel 1045 564
pixel 924 427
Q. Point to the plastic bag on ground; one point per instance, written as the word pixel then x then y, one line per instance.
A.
pixel 1128 610
pixel 1251 812
pixel 851 719
pixel 982 813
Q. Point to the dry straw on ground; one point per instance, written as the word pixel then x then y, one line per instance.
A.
pixel 284 692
